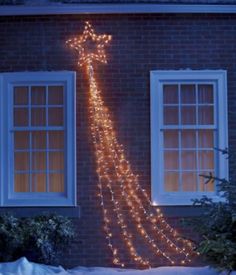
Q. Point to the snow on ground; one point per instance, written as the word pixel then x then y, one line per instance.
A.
pixel 24 267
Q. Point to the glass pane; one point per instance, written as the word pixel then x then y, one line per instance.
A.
pixel 189 181
pixel 206 138
pixel 21 140
pixel 171 159
pixel 56 182
pixel 55 116
pixel 206 159
pixel 171 115
pixel 171 181
pixel 189 160
pixel 39 140
pixel 188 139
pixel 56 160
pixel 21 183
pixel 21 95
pixel 56 140
pixel 55 95
pixel 39 160
pixel 171 139
pixel 170 94
pixel 21 161
pixel 188 115
pixel 39 183
pixel 205 185
pixel 206 115
pixel 21 117
pixel 205 94
pixel 38 116
pixel 188 94
pixel 38 95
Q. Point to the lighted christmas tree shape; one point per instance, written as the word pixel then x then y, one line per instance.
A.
pixel 115 174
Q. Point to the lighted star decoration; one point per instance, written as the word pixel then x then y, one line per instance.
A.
pixel 117 184
pixel 82 42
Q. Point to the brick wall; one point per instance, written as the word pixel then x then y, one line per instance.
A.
pixel 140 43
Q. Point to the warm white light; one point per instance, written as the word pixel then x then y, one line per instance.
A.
pixel 115 173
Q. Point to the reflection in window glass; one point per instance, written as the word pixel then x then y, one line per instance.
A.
pixel 188 94
pixel 171 139
pixel 171 115
pixel 188 115
pixel 205 94
pixel 188 160
pixel 39 151
pixel 189 181
pixel 170 94
pixel 21 95
pixel 171 159
pixel 171 181
pixel 188 139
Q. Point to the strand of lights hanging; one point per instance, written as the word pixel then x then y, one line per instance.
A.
pixel 117 183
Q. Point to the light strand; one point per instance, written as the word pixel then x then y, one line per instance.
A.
pixel 114 171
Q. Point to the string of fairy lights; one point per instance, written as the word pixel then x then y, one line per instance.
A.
pixel 117 183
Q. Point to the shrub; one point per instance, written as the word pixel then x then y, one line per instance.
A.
pixel 217 225
pixel 42 238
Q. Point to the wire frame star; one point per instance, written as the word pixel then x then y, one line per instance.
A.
pixel 81 44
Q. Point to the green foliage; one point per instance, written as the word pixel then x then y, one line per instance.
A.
pixel 42 238
pixel 217 225
pixel 11 237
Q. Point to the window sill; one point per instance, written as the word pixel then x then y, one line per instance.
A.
pixel 71 212
pixel 181 211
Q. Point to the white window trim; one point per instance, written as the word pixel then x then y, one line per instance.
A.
pixel 9 198
pixel 219 77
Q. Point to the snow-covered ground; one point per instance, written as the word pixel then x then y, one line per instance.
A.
pixel 24 267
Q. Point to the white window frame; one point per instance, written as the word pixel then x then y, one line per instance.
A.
pixel 158 77
pixel 8 197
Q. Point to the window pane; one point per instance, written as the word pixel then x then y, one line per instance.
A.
pixel 38 117
pixel 189 181
pixel 206 115
pixel 205 94
pixel 188 115
pixel 171 115
pixel 171 181
pixel 206 138
pixel 38 95
pixel 21 161
pixel 21 117
pixel 206 159
pixel 56 160
pixel 205 185
pixel 55 95
pixel 21 95
pixel 171 159
pixel 188 139
pixel 56 182
pixel 21 140
pixel 39 160
pixel 21 183
pixel 171 139
pixel 188 94
pixel 39 140
pixel 56 140
pixel 55 116
pixel 189 160
pixel 39 183
pixel 170 94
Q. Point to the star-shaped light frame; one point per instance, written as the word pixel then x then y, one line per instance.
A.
pixel 79 44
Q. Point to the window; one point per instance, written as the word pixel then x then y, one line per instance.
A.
pixel 188 121
pixel 37 126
